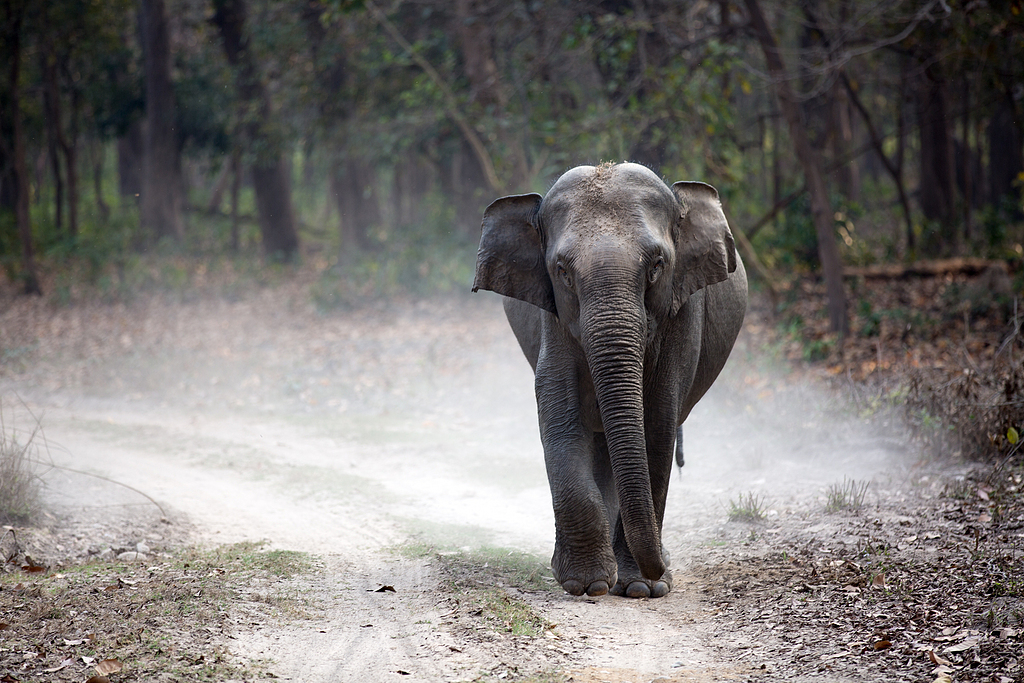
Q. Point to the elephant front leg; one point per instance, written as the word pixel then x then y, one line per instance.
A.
pixel 583 561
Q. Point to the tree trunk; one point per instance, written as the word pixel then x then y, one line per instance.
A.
pixel 129 161
pixel 354 184
pixel 821 210
pixel 97 178
pixel 936 163
pixel 1006 162
pixel 54 134
pixel 236 188
pixel 160 207
pixel 271 174
pixel 964 170
pixel 901 143
pixel 14 15
pixel 69 145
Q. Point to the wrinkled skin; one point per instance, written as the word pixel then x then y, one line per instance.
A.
pixel 626 297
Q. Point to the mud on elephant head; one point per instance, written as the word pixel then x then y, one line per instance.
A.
pixel 626 296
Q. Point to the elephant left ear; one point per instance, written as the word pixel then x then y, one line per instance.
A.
pixel 705 251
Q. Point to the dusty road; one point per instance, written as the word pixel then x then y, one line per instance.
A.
pixel 354 435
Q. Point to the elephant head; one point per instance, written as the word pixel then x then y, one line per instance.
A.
pixel 613 253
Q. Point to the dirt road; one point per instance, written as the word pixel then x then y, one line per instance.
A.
pixel 356 436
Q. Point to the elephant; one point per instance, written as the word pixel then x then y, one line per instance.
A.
pixel 626 296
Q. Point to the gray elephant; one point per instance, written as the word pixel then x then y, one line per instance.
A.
pixel 626 297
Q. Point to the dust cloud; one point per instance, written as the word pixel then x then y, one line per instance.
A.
pixel 351 433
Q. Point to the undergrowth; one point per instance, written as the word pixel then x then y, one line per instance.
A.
pixel 19 482
pixel 968 413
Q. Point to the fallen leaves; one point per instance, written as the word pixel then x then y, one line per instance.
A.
pixel 108 666
pixel 66 663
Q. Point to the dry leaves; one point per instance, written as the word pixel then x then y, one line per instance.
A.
pixel 108 666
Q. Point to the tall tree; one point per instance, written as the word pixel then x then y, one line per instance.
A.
pixel 1006 158
pixel 486 91
pixel 810 162
pixel 161 196
pixel 13 22
pixel 938 179
pixel 270 171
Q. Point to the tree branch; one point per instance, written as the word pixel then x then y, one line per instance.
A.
pixel 451 102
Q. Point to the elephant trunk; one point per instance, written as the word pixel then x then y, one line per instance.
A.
pixel 613 342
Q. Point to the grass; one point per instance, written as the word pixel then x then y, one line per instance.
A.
pixel 749 507
pixel 19 483
pixel 510 614
pixel 848 495
pixel 488 580
pixel 488 564
pixel 136 613
pixel 249 555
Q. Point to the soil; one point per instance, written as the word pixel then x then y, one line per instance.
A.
pixel 390 455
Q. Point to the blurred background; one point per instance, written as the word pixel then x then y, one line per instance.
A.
pixel 160 143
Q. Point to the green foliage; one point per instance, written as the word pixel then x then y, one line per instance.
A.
pixel 674 86
pixel 425 259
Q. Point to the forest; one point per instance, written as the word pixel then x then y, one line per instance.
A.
pixel 365 138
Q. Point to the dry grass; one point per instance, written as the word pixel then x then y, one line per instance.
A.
pixel 971 412
pixel 19 481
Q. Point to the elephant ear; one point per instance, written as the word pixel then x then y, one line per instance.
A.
pixel 511 256
pixel 705 251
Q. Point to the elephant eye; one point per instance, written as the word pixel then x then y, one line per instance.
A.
pixel 563 275
pixel 656 269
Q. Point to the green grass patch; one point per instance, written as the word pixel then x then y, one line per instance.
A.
pixel 510 614
pixel 749 507
pixel 848 495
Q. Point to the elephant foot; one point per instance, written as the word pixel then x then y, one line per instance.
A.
pixel 591 577
pixel 574 587
pixel 639 587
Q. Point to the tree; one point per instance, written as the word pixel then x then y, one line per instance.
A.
pixel 14 19
pixel 938 193
pixel 270 170
pixel 821 211
pixel 161 196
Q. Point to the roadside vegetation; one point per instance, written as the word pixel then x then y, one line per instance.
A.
pixel 167 617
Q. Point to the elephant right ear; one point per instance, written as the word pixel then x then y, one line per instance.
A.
pixel 511 256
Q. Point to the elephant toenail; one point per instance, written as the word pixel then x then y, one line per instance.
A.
pixel 660 590
pixel 597 588
pixel 573 587
pixel 638 589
